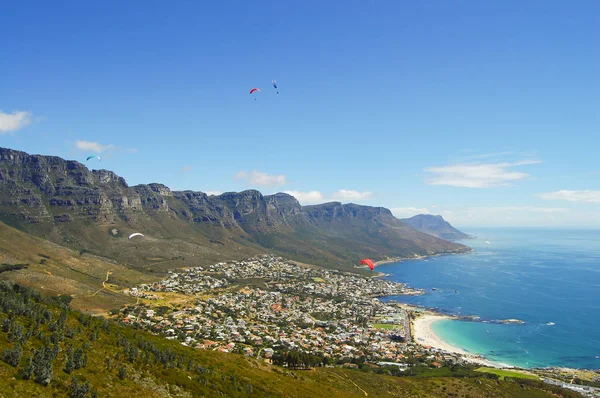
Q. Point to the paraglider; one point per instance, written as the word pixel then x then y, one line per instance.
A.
pixel 135 234
pixel 253 90
pixel 274 83
pixel 369 263
pixel 93 156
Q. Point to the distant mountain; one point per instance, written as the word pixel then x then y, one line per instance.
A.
pixel 435 226
pixel 95 210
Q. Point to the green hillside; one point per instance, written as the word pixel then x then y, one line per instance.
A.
pixel 94 283
pixel 46 349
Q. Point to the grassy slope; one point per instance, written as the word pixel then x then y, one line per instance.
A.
pixel 508 373
pixel 169 243
pixel 55 270
pixel 210 373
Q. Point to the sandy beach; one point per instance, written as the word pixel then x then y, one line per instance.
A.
pixel 424 335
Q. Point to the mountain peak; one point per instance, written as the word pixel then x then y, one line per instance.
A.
pixel 435 225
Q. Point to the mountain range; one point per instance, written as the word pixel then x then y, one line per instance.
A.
pixel 95 210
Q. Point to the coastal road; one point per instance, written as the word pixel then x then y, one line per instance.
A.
pixel 407 326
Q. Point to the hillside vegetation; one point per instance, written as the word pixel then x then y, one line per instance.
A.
pixel 47 349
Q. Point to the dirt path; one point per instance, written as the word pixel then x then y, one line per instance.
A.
pixel 103 284
pixel 347 378
pixel 106 280
pixel 356 385
pixel 54 290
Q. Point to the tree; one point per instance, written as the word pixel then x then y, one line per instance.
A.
pixel 69 362
pixel 16 332
pixel 62 318
pixel 133 353
pixel 6 324
pixel 56 337
pixel 42 367
pixel 27 370
pixel 79 360
pixel 106 326
pixel 70 332
pixel 79 390
pixel 13 357
pixel 122 373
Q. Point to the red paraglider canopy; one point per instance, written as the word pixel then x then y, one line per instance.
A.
pixel 254 89
pixel 369 263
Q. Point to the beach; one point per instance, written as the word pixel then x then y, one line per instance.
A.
pixel 424 335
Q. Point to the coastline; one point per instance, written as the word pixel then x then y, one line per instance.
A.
pixel 422 319
pixel 417 257
pixel 402 259
pixel 426 337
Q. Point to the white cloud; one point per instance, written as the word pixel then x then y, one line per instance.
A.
pixel 573 196
pixel 209 193
pixel 312 197
pixel 307 197
pixel 187 168
pixel 10 122
pixel 92 146
pixel 260 178
pixel 351 195
pixel 406 212
pixel 478 175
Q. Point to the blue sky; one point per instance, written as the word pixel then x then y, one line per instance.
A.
pixel 488 114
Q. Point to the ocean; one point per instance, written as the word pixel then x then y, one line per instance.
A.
pixel 550 279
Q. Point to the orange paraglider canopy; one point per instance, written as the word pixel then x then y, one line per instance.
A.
pixel 369 263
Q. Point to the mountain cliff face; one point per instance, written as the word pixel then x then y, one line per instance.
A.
pixel 94 210
pixel 436 226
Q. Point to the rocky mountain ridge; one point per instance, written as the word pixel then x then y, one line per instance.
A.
pixel 64 201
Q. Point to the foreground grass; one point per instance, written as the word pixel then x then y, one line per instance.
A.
pixel 501 373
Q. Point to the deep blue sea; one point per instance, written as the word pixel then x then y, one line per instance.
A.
pixel 535 275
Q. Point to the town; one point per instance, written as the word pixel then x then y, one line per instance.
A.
pixel 267 304
pixel 265 307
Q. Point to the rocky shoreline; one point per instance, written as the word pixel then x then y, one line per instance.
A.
pixel 415 257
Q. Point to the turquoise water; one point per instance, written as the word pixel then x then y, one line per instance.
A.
pixel 534 275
